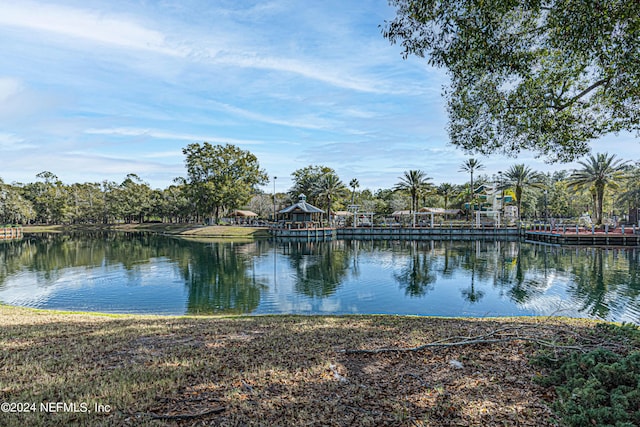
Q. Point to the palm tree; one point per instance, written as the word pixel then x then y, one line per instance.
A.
pixel 471 165
pixel 414 182
pixel 446 191
pixel 330 187
pixel 522 177
pixel 599 171
pixel 354 183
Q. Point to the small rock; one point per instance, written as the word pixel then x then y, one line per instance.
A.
pixel 456 364
pixel 336 375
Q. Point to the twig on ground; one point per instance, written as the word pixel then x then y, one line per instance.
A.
pixel 479 339
pixel 189 399
pixel 182 416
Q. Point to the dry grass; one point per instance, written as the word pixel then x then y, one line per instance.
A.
pixel 275 370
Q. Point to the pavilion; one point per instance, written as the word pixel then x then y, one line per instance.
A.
pixel 302 214
pixel 243 216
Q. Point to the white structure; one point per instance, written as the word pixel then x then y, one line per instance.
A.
pixel 487 218
pixel 496 202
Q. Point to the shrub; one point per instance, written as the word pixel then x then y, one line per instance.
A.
pixel 600 387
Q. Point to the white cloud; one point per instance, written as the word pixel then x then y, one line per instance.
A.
pixel 10 141
pixel 9 87
pixel 123 31
pixel 309 122
pixel 84 24
pixel 172 154
pixel 323 72
pixel 151 133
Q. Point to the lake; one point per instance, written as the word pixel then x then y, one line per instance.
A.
pixel 152 274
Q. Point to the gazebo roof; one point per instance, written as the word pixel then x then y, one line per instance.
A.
pixel 301 206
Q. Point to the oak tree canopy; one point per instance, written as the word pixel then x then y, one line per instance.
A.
pixel 543 75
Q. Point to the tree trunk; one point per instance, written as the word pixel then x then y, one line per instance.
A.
pixel 470 210
pixel 519 204
pixel 600 200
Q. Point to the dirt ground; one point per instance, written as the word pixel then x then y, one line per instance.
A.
pixel 279 370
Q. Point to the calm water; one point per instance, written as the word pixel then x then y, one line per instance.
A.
pixel 141 273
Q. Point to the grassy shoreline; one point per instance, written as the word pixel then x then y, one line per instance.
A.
pixel 279 370
pixel 183 230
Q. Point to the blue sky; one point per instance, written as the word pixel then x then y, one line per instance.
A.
pixel 93 90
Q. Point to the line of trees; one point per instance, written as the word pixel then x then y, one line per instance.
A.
pixel 223 178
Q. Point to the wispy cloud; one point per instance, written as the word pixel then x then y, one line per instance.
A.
pixel 326 73
pixel 309 122
pixel 10 142
pixel 9 87
pixel 172 154
pixel 158 134
pixel 125 32
pixel 85 24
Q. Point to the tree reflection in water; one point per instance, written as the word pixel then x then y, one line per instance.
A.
pixel 219 281
pixel 416 276
pixel 319 267
pixel 216 275
pixel 222 277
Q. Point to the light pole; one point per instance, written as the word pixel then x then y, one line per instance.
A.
pixel 502 198
pixel 613 201
pixel 546 211
pixel 274 198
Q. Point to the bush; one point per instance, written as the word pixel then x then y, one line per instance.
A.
pixel 600 387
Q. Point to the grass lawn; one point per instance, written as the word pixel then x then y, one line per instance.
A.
pixel 274 370
pixel 186 230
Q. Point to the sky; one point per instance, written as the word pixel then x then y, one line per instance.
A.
pixel 93 90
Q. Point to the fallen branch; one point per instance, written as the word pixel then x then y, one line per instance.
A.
pixel 188 399
pixel 181 416
pixel 462 341
pixel 425 346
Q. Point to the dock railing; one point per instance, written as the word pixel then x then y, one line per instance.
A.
pixel 582 234
pixel 572 228
pixel 10 232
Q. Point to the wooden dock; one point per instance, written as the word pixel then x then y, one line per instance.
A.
pixel 10 233
pixel 447 233
pixel 309 233
pixel 564 235
pixel 390 233
pixel 622 236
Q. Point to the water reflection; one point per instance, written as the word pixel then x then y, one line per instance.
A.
pixel 416 276
pixel 144 273
pixel 318 267
pixel 142 270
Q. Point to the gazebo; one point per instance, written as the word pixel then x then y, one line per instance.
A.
pixel 302 214
pixel 243 216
